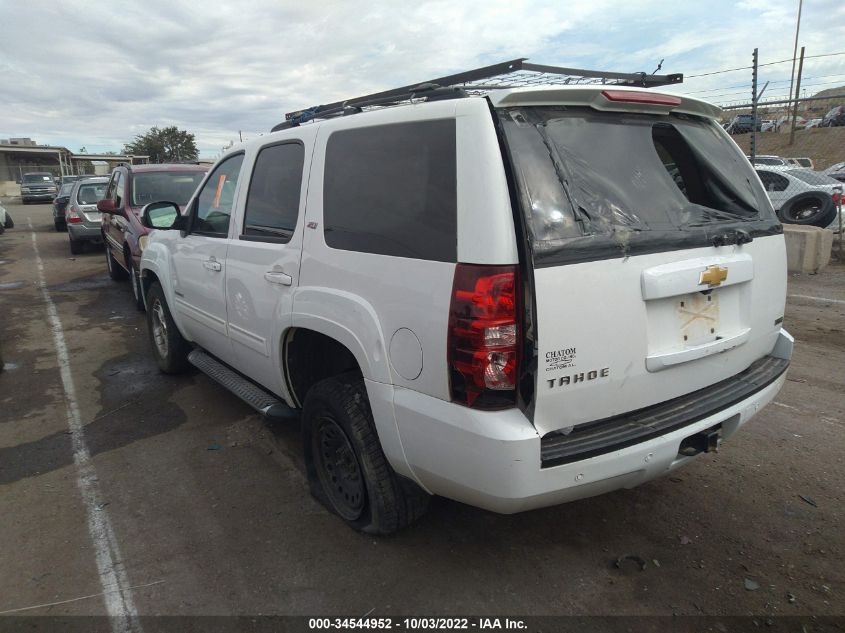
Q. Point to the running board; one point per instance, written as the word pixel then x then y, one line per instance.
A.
pixel 265 403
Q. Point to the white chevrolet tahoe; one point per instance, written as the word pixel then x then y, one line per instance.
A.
pixel 512 300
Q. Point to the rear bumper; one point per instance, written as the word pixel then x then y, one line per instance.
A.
pixel 492 460
pixel 85 232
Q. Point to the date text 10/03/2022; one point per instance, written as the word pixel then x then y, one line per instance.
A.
pixel 416 624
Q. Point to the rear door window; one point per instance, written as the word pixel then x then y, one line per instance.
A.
pixel 272 204
pixel 608 184
pixel 391 190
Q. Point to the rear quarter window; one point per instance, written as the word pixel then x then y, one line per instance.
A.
pixel 391 190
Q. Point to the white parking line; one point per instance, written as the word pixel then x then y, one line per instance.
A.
pixel 113 578
pixel 816 299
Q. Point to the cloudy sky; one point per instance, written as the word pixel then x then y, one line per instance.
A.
pixel 94 74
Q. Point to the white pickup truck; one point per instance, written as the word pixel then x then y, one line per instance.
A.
pixel 511 300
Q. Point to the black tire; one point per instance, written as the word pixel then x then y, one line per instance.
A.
pixel 116 271
pixel 347 469
pixel 76 246
pixel 60 226
pixel 137 290
pixel 171 349
pixel 9 223
pixel 813 208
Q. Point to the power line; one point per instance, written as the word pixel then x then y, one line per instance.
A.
pixel 771 81
pixel 782 61
pixel 742 92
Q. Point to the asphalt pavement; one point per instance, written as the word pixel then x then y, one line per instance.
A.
pixel 126 491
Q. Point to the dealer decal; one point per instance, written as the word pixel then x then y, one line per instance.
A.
pixel 558 359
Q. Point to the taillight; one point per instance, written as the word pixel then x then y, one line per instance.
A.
pixel 837 198
pixel 72 216
pixel 648 98
pixel 484 334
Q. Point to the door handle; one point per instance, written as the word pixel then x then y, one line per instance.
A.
pixel 213 264
pixel 276 277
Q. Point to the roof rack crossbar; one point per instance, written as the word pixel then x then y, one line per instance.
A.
pixel 509 74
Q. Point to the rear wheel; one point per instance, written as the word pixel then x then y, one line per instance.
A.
pixel 170 349
pixel 137 291
pixel 814 208
pixel 8 224
pixel 60 226
pixel 76 246
pixel 347 469
pixel 115 271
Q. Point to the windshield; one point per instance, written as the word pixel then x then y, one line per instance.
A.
pixel 36 178
pixel 812 177
pixel 611 181
pixel 91 193
pixel 175 187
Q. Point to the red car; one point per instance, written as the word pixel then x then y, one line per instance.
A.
pixel 130 189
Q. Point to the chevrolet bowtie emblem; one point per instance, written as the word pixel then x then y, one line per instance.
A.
pixel 713 276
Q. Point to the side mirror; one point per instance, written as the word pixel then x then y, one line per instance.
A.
pixel 106 205
pixel 161 215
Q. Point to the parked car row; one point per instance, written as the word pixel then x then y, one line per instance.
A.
pixel 744 123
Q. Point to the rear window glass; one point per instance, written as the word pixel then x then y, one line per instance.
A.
pixel 91 194
pixel 391 190
pixel 175 187
pixel 610 180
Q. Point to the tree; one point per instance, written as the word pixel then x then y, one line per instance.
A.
pixel 164 145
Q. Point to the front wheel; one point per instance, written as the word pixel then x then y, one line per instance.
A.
pixel 347 469
pixel 170 349
pixel 137 291
pixel 8 224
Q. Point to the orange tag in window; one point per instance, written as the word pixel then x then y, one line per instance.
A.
pixel 217 193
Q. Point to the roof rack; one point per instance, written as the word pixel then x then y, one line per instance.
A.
pixel 516 73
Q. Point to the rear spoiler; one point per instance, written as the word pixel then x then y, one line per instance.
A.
pixel 606 98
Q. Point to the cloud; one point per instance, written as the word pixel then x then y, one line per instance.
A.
pixel 77 75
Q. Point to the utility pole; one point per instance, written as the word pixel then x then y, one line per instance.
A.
pixel 753 151
pixel 794 53
pixel 795 107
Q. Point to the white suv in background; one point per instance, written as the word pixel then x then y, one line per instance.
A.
pixel 511 300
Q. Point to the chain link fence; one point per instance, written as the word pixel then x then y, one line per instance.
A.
pixel 797 146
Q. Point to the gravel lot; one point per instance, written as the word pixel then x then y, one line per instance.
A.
pixel 211 515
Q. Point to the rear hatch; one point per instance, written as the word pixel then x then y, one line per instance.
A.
pixel 87 196
pixel 659 267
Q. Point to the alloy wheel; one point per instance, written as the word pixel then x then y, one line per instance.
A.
pixel 159 323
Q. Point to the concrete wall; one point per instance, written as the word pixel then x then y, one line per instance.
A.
pixel 807 248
